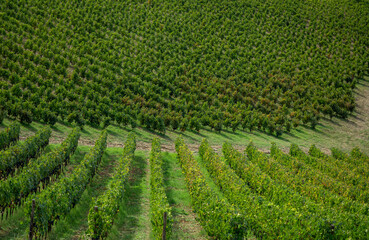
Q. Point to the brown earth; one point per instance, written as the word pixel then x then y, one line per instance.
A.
pixel 145 146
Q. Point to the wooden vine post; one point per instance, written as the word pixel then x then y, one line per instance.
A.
pixel 31 223
pixel 96 209
pixel 164 226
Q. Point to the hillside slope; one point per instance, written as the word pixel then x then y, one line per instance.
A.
pixel 339 133
pixel 267 65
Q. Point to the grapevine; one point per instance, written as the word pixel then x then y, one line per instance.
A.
pixel 219 218
pixel 100 220
pixel 18 155
pixel 267 65
pixel 15 189
pixel 9 135
pixel 57 200
pixel 158 198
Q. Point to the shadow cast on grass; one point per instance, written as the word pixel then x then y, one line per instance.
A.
pixel 356 115
pixel 333 121
pixel 315 130
pixel 291 134
pixel 135 131
pixel 84 131
pixel 127 219
pixel 158 134
pixel 114 133
pixel 197 133
pixel 268 137
pixel 29 127
pixel 178 200
pixel 167 174
pixel 189 137
pixel 231 132
pixel 221 133
pixel 15 226
pixel 56 129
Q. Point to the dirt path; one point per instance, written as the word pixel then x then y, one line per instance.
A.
pixel 146 146
pixel 186 222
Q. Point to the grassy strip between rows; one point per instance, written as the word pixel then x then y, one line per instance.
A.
pixel 100 220
pixel 185 225
pixel 219 218
pixel 15 189
pixel 57 200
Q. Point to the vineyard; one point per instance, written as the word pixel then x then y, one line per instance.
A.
pixel 257 65
pixel 187 119
pixel 57 192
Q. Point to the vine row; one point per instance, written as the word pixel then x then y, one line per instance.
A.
pixel 15 189
pixel 105 207
pixel 333 223
pixel 219 218
pixel 357 186
pixel 57 200
pixel 18 155
pixel 266 219
pixel 158 198
pixel 309 182
pixel 9 135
